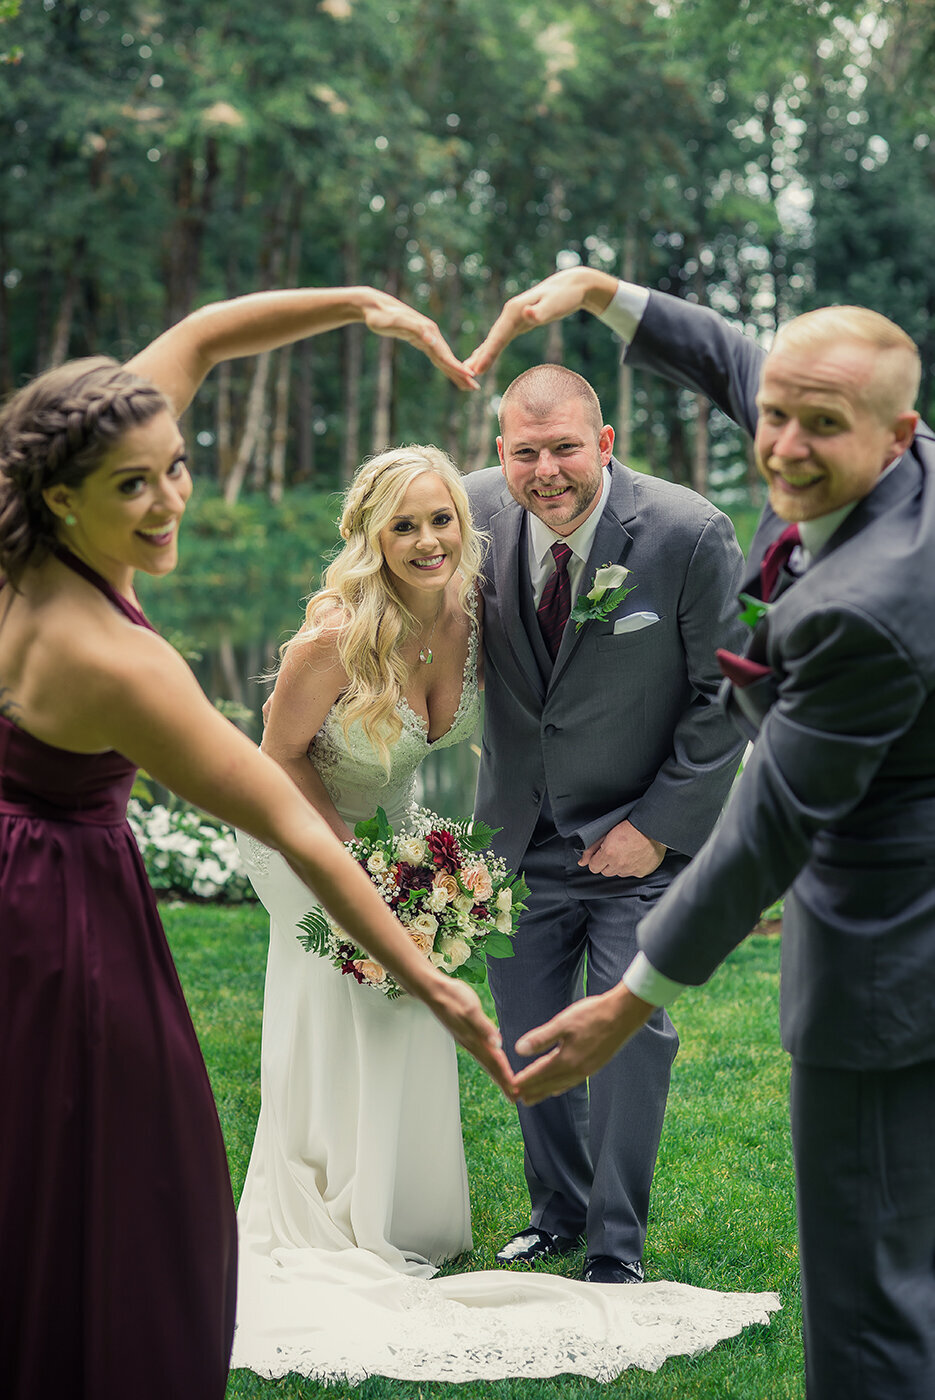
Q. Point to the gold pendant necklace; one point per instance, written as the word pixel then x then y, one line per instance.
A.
pixel 425 653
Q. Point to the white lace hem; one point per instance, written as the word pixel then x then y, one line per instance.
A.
pixel 487 1326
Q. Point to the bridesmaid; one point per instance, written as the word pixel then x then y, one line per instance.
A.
pixel 116 1217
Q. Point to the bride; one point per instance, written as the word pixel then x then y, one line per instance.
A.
pixel 354 1085
pixel 356 1187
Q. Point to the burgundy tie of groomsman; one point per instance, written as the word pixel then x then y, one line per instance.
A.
pixel 555 606
pixel 775 559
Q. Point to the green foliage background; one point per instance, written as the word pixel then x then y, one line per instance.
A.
pixel 762 156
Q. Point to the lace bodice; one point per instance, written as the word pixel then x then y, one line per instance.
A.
pixel 353 774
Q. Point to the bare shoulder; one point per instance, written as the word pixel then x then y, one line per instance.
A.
pixel 88 666
pixel 316 653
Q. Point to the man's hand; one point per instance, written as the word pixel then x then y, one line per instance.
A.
pixel 384 315
pixel 624 851
pixel 578 1041
pixel 460 1012
pixel 575 289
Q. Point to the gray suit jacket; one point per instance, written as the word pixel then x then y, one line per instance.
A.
pixel 838 800
pixel 624 725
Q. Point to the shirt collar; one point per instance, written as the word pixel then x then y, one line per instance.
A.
pixel 579 541
pixel 815 534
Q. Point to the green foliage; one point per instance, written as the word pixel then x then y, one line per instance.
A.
pixel 453 151
pixel 249 563
pixel 722 1211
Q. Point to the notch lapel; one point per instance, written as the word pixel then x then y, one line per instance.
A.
pixel 611 544
pixel 506 553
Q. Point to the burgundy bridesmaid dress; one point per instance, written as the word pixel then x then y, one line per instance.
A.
pixel 117 1228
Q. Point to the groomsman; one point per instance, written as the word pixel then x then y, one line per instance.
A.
pixel 837 805
pixel 605 761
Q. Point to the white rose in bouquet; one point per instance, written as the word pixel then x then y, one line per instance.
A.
pixel 454 950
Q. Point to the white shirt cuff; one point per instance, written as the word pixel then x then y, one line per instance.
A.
pixel 624 313
pixel 645 982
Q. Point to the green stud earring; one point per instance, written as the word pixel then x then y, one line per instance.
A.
pixel 71 519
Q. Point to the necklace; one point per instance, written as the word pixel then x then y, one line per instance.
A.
pixel 425 654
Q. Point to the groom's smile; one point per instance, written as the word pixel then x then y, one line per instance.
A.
pixel 553 458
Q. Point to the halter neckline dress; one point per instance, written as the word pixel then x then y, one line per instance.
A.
pixel 116 1216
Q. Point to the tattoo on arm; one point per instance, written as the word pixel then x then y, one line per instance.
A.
pixel 8 706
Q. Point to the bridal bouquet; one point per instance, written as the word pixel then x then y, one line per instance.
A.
pixel 455 898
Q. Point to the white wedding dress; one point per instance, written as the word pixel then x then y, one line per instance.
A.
pixel 357 1186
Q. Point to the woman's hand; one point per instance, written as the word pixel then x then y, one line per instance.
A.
pixel 384 315
pixel 458 1008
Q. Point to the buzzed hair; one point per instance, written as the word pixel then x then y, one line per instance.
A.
pixel 540 388
pixel 898 369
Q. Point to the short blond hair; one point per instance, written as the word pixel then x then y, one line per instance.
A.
pixel 540 388
pixel 898 370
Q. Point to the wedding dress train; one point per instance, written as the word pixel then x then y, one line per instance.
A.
pixel 357 1186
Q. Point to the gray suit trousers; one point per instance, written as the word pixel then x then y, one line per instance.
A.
pixel 590 1153
pixel 864 1146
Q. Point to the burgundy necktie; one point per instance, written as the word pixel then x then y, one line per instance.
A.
pixel 775 558
pixel 555 606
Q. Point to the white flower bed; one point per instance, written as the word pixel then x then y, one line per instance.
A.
pixel 188 853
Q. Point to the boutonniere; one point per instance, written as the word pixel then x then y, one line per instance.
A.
pixel 607 592
pixel 753 609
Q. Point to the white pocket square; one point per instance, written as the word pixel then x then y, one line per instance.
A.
pixel 633 622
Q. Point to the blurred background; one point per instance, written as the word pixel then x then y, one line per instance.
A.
pixel 759 156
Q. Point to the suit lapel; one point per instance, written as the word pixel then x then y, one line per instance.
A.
pixel 611 545
pixel 506 553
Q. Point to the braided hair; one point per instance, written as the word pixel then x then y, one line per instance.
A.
pixel 57 431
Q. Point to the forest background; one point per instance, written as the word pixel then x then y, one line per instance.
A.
pixel 762 157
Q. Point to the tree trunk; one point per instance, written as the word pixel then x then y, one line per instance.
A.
pixel 256 401
pixel 280 436
pixel 223 426
pixel 386 360
pixel 305 416
pixel 481 426
pixel 454 398
pixel 352 347
pixel 554 343
pixel 624 422
pixel 6 371
pixel 61 334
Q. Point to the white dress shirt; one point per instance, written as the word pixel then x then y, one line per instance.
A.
pixel 540 539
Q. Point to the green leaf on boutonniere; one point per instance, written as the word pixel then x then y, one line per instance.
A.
pixel 753 609
pixel 588 609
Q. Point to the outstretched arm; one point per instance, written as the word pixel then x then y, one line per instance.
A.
pixel 147 705
pixel 179 359
pixel 578 1042
pixel 575 289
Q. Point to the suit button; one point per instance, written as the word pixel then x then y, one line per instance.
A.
pixel 551 729
pixel 536 797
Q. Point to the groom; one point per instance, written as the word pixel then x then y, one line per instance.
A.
pixel 837 803
pixel 605 762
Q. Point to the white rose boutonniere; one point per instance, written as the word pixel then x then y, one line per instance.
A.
pixel 607 592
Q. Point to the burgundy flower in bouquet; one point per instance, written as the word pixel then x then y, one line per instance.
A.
pixel 457 901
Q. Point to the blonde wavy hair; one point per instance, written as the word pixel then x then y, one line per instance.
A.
pixel 358 589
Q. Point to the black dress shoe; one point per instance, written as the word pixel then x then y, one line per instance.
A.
pixel 604 1268
pixel 532 1244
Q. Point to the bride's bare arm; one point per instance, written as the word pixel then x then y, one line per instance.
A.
pixel 179 359
pixel 310 680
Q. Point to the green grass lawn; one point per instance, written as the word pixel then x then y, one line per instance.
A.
pixel 722 1211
